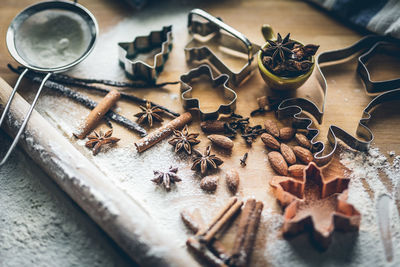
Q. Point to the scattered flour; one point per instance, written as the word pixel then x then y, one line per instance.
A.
pixel 350 249
pixel 41 226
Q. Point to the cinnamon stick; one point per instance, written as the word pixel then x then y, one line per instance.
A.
pixel 202 251
pixel 246 234
pixel 97 114
pixel 219 221
pixel 163 132
pixel 194 221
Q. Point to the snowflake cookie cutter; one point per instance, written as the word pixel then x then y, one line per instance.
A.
pixel 294 107
pixel 138 69
pixel 221 34
pixel 305 198
pixel 190 103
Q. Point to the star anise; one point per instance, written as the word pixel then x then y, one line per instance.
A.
pixel 166 178
pixel 279 50
pixel 206 160
pixel 182 139
pixel 149 113
pixel 97 140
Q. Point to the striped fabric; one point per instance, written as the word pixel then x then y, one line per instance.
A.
pixel 378 16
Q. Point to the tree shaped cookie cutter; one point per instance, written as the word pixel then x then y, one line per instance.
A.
pixel 193 103
pixel 294 107
pixel 307 200
pixel 135 68
pixel 223 35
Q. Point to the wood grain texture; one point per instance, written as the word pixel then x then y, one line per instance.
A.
pixel 344 105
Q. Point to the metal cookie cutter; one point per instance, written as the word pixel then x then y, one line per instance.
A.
pixel 294 107
pixel 222 35
pixel 136 68
pixel 194 103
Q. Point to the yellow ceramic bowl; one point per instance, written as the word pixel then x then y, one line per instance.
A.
pixel 282 83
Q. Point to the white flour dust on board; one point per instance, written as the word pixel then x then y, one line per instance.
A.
pixel 132 172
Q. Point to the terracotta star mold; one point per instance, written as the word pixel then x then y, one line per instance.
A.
pixel 315 205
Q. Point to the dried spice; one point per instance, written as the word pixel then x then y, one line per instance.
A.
pixel 163 132
pixel 279 50
pixel 246 233
pixel 57 84
pixel 149 113
pixel 182 139
pixel 243 160
pixel 304 51
pixel 97 140
pixel 166 178
pixel 206 160
pixel 205 243
pixel 288 58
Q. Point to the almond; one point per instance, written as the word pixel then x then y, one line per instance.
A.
pixel 296 170
pixel 302 140
pixel 278 163
pixel 270 141
pixel 288 154
pixel 303 154
pixel 232 181
pixel 221 141
pixel 271 128
pixel 209 183
pixel 212 126
pixel 286 133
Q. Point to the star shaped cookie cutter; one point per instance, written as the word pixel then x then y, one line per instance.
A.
pixel 307 200
pixel 221 34
pixel 294 107
pixel 138 69
pixel 194 103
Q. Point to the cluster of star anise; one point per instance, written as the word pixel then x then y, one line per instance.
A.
pixel 288 58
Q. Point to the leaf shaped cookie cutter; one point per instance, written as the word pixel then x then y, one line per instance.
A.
pixel 294 107
pixel 194 103
pixel 135 68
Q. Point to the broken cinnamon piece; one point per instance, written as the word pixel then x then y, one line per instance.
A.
pixel 203 252
pixel 163 132
pixel 246 234
pixel 97 114
pixel 194 221
pixel 222 218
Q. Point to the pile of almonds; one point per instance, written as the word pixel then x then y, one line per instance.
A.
pixel 284 159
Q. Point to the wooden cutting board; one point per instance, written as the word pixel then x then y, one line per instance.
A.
pixel 114 187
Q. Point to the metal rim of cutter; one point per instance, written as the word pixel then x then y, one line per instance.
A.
pixel 194 103
pixel 234 40
pixel 85 14
pixel 138 68
pixel 294 107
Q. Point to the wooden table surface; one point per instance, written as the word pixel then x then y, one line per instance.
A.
pixel 344 104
